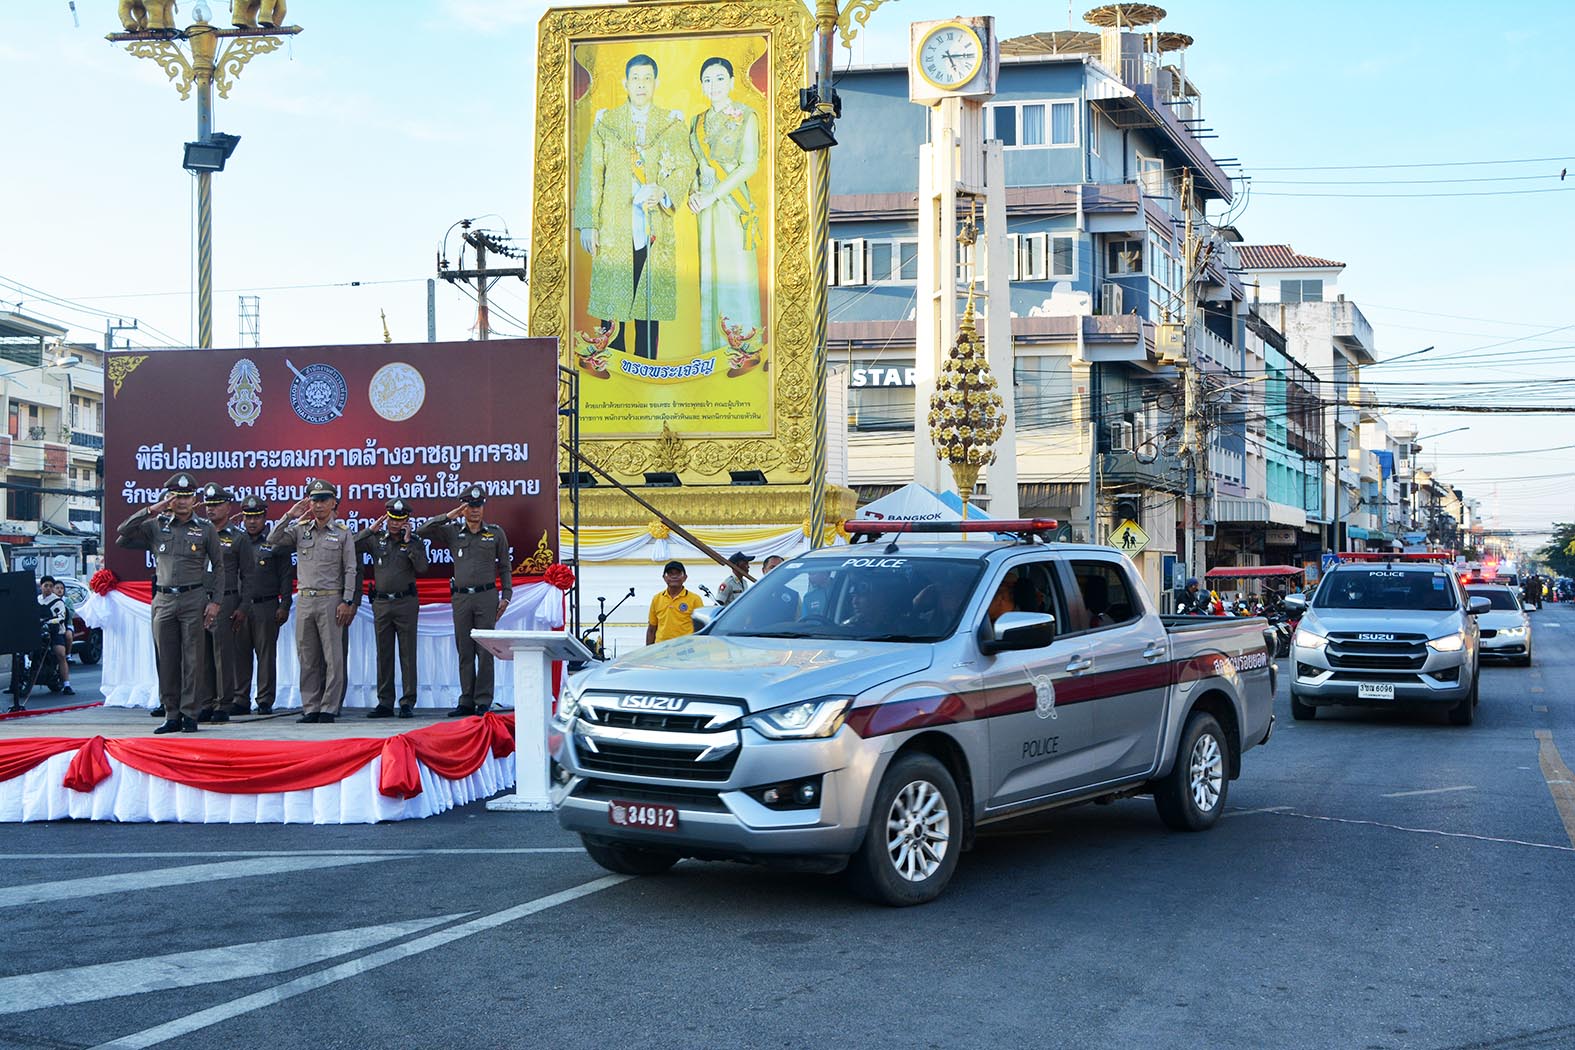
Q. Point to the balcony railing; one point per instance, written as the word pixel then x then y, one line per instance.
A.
pixel 81 440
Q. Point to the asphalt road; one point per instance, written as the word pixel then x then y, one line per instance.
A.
pixel 1382 880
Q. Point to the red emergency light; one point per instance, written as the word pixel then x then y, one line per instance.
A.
pixel 1018 526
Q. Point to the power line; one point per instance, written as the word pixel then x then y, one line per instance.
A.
pixel 1433 164
pixel 1390 196
pixel 1398 182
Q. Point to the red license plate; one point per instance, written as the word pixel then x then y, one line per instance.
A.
pixel 646 816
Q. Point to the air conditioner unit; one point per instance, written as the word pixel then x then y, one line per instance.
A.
pixel 1121 437
pixel 1110 298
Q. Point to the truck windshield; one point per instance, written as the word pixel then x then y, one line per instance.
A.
pixel 1382 587
pixel 872 598
pixel 1501 598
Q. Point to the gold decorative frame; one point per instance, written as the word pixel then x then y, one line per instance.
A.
pixel 785 456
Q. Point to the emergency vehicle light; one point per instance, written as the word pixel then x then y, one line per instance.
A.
pixel 1439 556
pixel 1024 526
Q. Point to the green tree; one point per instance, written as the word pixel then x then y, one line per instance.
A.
pixel 1560 550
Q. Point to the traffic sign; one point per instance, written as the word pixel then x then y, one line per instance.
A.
pixel 1329 561
pixel 1128 537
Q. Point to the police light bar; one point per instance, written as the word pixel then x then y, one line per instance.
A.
pixel 1384 556
pixel 1021 526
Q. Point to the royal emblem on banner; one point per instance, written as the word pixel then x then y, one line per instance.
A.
pixel 318 393
pixel 245 388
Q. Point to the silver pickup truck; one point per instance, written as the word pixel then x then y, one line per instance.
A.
pixel 869 707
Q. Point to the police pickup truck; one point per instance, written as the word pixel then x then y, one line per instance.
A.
pixel 869 707
pixel 1387 630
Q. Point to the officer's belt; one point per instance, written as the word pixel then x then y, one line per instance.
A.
pixel 317 592
pixel 471 590
pixel 265 598
pixel 176 590
pixel 236 591
pixel 388 596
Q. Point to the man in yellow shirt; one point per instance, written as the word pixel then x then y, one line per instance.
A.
pixel 671 609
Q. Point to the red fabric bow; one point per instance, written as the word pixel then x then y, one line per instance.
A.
pixel 560 576
pixel 102 582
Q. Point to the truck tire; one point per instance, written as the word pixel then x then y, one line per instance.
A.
pixel 1191 796
pixel 914 837
pixel 1300 711
pixel 1464 713
pixel 93 650
pixel 630 860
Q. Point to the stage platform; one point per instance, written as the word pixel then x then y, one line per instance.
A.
pixel 104 763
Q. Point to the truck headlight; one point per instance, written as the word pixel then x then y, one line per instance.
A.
pixel 1513 632
pixel 568 710
pixel 806 720
pixel 1308 640
pixel 1450 643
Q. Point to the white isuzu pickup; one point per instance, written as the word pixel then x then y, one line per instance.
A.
pixel 869 707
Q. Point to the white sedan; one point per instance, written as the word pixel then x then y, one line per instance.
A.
pixel 1506 628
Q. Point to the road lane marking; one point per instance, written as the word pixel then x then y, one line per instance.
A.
pixel 1541 709
pixel 164 878
pixel 1280 812
pixel 86 984
pixel 219 854
pixel 1252 812
pixel 1430 791
pixel 182 1026
pixel 1561 782
pixel 1538 689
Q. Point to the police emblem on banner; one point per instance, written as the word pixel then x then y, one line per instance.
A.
pixel 318 393
pixel 245 390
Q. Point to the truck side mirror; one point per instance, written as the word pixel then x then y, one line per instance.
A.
pixel 701 618
pixel 1476 605
pixel 1016 631
pixel 1295 604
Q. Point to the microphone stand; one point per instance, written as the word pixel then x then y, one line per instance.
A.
pixel 599 649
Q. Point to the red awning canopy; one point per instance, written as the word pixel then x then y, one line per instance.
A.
pixel 1246 571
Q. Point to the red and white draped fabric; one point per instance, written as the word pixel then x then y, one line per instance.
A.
pixel 130 677
pixel 211 781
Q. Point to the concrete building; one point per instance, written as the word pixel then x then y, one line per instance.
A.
pixel 51 452
pixel 1095 144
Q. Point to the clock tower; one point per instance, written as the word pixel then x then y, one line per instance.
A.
pixel 952 69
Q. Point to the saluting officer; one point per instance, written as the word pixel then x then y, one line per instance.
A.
pixel 265 599
pixel 325 598
pixel 398 557
pixel 186 561
pixel 220 680
pixel 481 565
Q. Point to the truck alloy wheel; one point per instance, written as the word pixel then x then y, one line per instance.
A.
pixel 911 847
pixel 1192 795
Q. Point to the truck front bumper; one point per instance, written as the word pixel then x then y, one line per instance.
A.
pixel 1444 679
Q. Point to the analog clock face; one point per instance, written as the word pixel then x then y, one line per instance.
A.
pixel 950 55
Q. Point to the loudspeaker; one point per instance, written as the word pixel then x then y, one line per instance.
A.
pixel 19 612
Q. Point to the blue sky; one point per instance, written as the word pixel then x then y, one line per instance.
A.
pixel 370 134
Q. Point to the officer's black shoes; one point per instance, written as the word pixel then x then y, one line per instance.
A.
pixel 66 690
pixel 478 712
pixel 268 710
pixel 221 715
pixel 188 725
pixel 313 717
pixel 205 715
pixel 157 712
pixel 240 709
pixel 462 712
pixel 325 717
pixel 170 726
pixel 407 712
pixel 380 712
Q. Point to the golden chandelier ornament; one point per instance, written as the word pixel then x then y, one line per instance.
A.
pixel 966 410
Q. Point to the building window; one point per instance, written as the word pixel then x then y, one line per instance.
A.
pixel 845 262
pixel 1301 291
pixel 1043 256
pixel 1164 280
pixel 892 261
pixel 880 408
pixel 14 421
pixel 1025 125
pixel 1123 257
pixel 1151 173
pixel 1041 391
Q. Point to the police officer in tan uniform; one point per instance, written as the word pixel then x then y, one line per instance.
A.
pixel 186 561
pixel 325 567
pixel 220 680
pixel 398 557
pixel 265 599
pixel 481 567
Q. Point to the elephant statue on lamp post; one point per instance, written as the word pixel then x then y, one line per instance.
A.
pixel 250 14
pixel 137 15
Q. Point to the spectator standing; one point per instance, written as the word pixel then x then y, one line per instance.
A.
pixel 672 609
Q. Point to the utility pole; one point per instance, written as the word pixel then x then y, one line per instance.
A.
pixel 117 325
pixel 483 241
pixel 1190 432
pixel 431 310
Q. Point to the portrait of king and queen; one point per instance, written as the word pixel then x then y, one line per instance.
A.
pixel 671 225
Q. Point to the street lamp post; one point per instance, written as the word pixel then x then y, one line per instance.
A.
pixel 205 67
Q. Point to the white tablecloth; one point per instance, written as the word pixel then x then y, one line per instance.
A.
pixel 130 679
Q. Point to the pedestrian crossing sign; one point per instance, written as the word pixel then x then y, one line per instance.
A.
pixel 1128 537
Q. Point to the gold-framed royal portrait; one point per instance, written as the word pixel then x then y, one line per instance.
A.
pixel 671 234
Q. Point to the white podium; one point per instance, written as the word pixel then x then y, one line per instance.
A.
pixel 532 653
